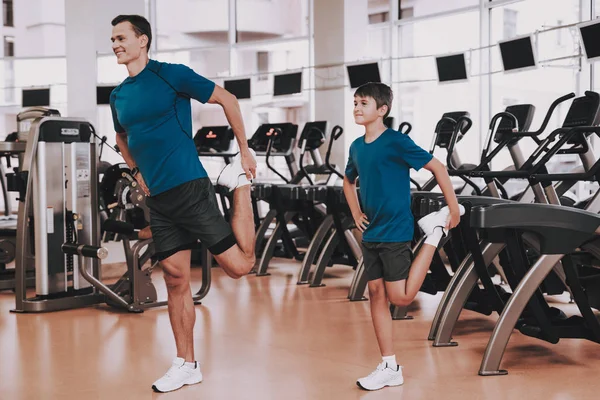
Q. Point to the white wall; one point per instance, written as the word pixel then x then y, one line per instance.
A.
pixel 274 18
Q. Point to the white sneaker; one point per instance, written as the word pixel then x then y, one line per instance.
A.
pixel 233 175
pixel 177 376
pixel 437 219
pixel 381 377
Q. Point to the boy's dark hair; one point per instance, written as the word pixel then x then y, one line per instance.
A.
pixel 381 92
pixel 141 26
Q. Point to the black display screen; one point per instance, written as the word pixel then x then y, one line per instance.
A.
pixel 451 68
pixel 363 73
pixel 103 94
pixel 240 88
pixel 35 97
pixel 589 37
pixel 517 54
pixel 287 84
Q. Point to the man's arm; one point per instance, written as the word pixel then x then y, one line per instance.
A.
pixel 440 173
pixel 124 149
pixel 234 116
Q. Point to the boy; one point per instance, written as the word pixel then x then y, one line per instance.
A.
pixel 383 158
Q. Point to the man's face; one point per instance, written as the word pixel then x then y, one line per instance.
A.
pixel 366 111
pixel 126 45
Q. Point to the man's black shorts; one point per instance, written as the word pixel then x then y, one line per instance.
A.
pixel 390 261
pixel 185 214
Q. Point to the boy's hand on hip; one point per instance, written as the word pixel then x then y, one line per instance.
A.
pixel 248 163
pixel 453 219
pixel 361 221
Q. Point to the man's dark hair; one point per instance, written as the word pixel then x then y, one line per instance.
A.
pixel 381 92
pixel 141 26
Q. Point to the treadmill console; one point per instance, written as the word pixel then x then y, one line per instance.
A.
pixel 214 139
pixel 314 133
pixel 445 128
pixel 283 136
pixel 524 114
pixel 583 112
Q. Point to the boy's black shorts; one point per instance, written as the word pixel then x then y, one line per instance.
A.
pixel 390 261
pixel 185 214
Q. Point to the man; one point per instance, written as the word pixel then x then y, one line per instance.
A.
pixel 152 117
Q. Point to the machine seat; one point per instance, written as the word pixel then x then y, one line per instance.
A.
pixel 560 230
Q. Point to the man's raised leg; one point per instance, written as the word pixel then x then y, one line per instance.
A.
pixel 238 260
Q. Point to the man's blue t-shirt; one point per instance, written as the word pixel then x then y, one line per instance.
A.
pixel 384 170
pixel 155 111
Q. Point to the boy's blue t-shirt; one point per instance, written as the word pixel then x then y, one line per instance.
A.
pixel 384 170
pixel 154 109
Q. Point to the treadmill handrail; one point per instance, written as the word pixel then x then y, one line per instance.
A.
pixel 336 132
pixel 548 116
pixel 406 125
pixel 458 128
pixel 485 156
pixel 268 154
pixel 532 168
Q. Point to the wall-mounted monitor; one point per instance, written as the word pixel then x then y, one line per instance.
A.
pixel 359 74
pixel 35 97
pixel 517 53
pixel 103 94
pixel 589 32
pixel 287 84
pixel 451 68
pixel 240 88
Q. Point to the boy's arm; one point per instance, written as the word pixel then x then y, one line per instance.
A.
pixel 360 219
pixel 443 179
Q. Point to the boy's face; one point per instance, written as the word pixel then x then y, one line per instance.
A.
pixel 366 111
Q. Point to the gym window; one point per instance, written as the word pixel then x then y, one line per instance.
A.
pixel 406 12
pixel 510 23
pixel 9 46
pixel 8 12
pixel 378 18
pixel 262 64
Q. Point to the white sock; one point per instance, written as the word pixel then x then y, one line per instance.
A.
pixel 190 365
pixel 391 362
pixel 435 237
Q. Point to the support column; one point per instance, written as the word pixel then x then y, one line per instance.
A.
pixel 152 18
pixel 81 59
pixel 485 80
pixel 85 37
pixel 340 36
pixel 232 38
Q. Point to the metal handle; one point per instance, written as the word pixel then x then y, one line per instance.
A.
pixel 85 250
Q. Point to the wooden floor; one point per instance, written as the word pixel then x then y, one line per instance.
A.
pixel 267 338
